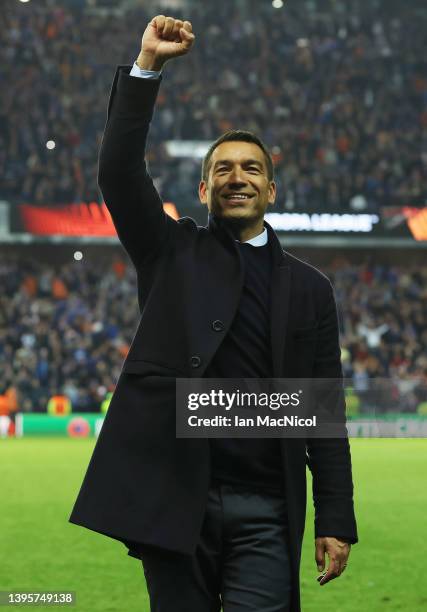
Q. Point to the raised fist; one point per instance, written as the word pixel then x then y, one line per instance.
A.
pixel 164 39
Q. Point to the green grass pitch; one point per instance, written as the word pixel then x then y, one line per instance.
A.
pixel 40 550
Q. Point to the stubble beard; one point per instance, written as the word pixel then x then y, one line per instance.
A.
pixel 235 223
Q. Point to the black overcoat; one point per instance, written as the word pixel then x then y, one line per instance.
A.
pixel 143 484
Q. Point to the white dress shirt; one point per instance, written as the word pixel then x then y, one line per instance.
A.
pixel 259 240
pixel 145 74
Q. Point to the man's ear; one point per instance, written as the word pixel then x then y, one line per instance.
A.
pixel 202 193
pixel 273 203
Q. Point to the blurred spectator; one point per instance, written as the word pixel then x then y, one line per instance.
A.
pixel 372 333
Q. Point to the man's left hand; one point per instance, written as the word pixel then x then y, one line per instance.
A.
pixel 338 552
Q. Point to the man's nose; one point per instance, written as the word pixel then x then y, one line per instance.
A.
pixel 237 176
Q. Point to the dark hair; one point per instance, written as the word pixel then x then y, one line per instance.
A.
pixel 242 136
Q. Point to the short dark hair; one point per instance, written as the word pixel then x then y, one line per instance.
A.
pixel 242 136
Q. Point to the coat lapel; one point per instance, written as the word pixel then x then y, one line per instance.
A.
pixel 280 294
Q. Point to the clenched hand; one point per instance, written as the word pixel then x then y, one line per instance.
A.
pixel 164 38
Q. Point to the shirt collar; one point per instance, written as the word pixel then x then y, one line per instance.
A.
pixel 259 240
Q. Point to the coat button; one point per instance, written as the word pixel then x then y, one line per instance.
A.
pixel 217 325
pixel 195 361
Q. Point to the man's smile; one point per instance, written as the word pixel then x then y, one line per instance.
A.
pixel 237 198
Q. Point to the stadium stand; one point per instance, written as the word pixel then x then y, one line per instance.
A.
pixel 65 329
pixel 337 90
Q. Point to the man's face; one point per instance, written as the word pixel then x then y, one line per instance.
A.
pixel 238 168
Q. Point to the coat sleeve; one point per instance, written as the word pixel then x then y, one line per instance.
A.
pixel 129 194
pixel 329 459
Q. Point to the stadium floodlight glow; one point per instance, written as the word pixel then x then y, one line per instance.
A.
pixel 50 144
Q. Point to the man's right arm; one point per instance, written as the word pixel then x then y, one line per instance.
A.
pixel 129 193
pixel 128 190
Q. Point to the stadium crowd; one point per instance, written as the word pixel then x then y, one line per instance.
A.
pixel 66 328
pixel 340 98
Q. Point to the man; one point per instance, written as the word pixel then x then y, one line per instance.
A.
pixel 215 522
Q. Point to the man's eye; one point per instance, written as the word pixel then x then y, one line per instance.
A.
pixel 250 168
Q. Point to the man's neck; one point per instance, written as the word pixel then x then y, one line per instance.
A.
pixel 245 233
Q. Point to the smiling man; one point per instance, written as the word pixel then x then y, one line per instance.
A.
pixel 237 182
pixel 217 523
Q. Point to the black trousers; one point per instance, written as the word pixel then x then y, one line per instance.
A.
pixel 241 562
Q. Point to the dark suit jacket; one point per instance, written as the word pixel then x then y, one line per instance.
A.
pixel 143 485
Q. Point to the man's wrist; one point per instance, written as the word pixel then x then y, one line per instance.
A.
pixel 344 539
pixel 148 62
